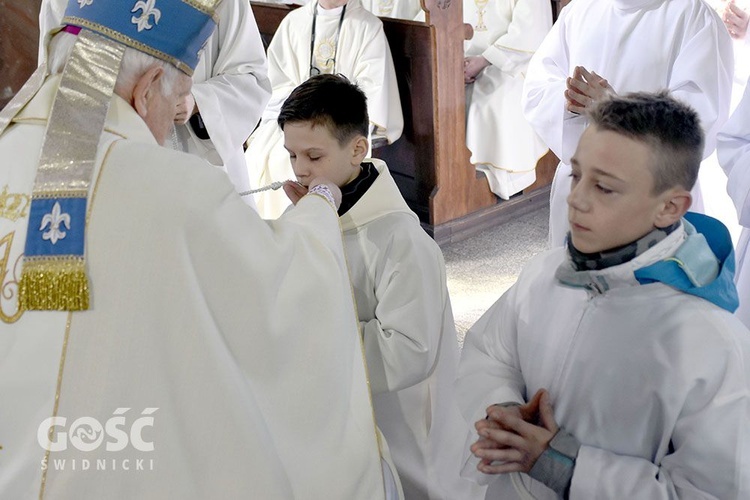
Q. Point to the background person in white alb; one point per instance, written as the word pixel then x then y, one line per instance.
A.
pixel 598 47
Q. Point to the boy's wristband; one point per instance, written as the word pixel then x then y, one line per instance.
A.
pixel 556 465
pixel 325 192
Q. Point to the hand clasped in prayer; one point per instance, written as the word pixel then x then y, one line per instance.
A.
pixel 584 89
pixel 513 437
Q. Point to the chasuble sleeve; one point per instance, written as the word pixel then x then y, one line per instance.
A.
pixel 279 295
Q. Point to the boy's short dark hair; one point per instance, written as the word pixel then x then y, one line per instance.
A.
pixel 329 100
pixel 671 128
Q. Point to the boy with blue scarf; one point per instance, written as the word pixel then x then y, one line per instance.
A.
pixel 614 367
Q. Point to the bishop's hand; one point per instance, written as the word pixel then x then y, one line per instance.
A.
pixel 186 108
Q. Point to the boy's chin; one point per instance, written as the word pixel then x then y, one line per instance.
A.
pixel 585 245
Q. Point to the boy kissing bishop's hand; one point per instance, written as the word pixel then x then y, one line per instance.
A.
pixel 295 191
pixel 516 436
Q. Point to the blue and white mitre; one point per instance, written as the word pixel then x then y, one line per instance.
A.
pixel 54 275
pixel 172 30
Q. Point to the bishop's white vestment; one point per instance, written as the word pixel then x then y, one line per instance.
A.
pixel 502 143
pixel 230 87
pixel 363 56
pixel 196 358
pixel 399 282
pixel 733 148
pixel 637 45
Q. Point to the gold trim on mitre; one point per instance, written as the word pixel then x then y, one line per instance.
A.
pixel 126 40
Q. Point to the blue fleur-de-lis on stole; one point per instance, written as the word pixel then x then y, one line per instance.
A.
pixel 148 10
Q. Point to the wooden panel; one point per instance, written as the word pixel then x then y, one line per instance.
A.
pixel 19 35
pixel 268 17
pixel 410 158
pixel 459 191
pixel 557 6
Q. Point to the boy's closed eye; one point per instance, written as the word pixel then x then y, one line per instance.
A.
pixel 603 188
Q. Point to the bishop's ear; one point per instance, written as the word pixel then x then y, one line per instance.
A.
pixel 146 88
pixel 677 201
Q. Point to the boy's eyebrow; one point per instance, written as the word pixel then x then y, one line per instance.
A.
pixel 598 171
pixel 305 150
pixel 606 174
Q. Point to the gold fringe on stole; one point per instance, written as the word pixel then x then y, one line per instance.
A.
pixel 54 285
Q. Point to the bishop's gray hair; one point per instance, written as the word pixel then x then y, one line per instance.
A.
pixel 134 63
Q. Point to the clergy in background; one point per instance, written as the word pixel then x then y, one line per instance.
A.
pixel 157 338
pixel 503 145
pixel 230 90
pixel 624 46
pixel 397 9
pixel 734 156
pixel 326 36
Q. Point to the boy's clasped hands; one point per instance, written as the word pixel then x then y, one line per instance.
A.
pixel 512 438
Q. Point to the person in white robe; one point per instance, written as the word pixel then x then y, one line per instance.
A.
pixel 230 89
pixel 733 150
pixel 405 316
pixel 636 45
pixel 399 284
pixel 348 40
pixel 187 373
pixel 608 370
pixel 502 143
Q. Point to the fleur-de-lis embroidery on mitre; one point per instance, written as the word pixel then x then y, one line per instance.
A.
pixel 54 219
pixel 147 9
pixel 84 3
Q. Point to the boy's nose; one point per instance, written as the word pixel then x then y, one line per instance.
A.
pixel 577 198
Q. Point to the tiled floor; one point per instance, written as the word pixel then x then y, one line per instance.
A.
pixel 481 268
